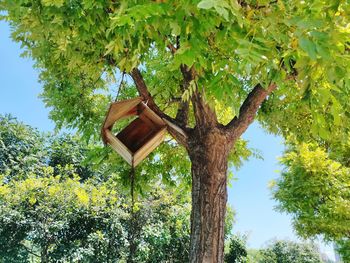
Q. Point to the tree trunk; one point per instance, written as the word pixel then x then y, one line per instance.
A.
pixel 209 156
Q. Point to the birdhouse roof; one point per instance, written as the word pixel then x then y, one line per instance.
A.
pixel 119 110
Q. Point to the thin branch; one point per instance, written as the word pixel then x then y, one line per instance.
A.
pixel 181 118
pixel 183 110
pixel 237 126
pixel 172 48
pixel 144 93
pixel 175 127
pixel 30 251
pixel 120 85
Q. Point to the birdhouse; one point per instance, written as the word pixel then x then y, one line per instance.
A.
pixel 140 137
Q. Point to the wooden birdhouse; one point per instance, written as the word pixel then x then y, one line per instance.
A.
pixel 140 137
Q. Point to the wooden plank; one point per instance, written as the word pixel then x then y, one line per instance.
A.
pixel 119 147
pixel 143 109
pixel 147 120
pixel 121 109
pixel 175 127
pixel 149 147
pixel 144 151
pixel 136 134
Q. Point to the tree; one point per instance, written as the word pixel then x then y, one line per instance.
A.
pixel 314 189
pixel 237 252
pixel 24 150
pixel 70 150
pixel 343 248
pixel 53 217
pixel 205 66
pixel 21 148
pixel 289 252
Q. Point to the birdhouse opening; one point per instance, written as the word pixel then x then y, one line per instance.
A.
pixel 136 134
pixel 143 130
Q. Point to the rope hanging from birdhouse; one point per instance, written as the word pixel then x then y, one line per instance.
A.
pixel 132 188
pixel 121 84
pixel 132 170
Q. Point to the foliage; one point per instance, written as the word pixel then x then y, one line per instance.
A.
pixel 56 214
pixel 24 150
pixel 277 251
pixel 165 228
pixel 301 47
pixel 230 220
pixel 70 150
pixel 232 45
pixel 21 147
pixel 237 250
pixel 60 218
pixel 314 189
pixel 343 248
pixel 289 252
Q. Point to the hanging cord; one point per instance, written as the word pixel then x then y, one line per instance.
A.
pixel 121 84
pixel 132 188
pixel 134 230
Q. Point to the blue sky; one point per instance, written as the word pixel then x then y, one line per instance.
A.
pixel 249 195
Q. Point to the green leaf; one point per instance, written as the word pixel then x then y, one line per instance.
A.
pixel 308 46
pixel 323 51
pixel 175 28
pixel 206 4
pixel 222 11
pixel 220 6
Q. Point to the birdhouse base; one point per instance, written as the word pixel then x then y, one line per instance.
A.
pixel 134 158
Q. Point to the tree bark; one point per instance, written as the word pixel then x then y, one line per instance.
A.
pixel 208 152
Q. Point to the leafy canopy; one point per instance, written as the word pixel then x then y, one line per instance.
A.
pixel 281 251
pixel 277 251
pixel 20 147
pixel 237 250
pixel 314 189
pixel 302 46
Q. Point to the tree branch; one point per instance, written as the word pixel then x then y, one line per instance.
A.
pixel 183 110
pixel 30 251
pixel 238 125
pixel 175 127
pixel 172 48
pixel 144 93
pixel 204 115
pixel 182 113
